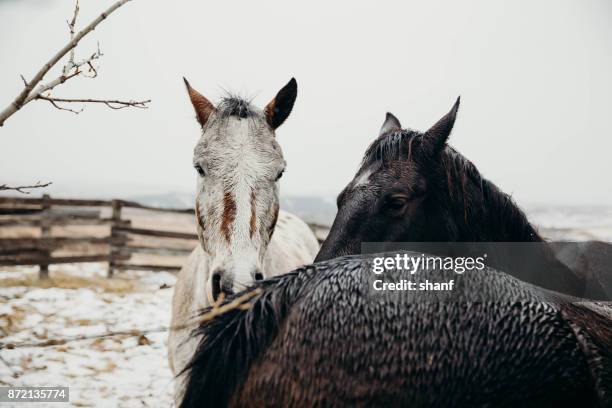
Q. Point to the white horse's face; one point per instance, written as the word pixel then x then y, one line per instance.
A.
pixel 239 164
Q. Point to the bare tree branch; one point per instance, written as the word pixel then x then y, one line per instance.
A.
pixel 111 103
pixel 47 87
pixel 52 101
pixel 92 69
pixel 71 24
pixel 33 88
pixel 65 77
pixel 22 189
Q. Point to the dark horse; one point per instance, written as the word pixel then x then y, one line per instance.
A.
pixel 321 336
pixel 413 187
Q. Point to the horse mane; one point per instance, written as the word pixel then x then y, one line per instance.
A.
pixel 390 147
pixel 474 197
pixel 234 105
pixel 479 196
pixel 238 336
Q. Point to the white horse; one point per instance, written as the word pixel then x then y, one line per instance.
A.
pixel 243 236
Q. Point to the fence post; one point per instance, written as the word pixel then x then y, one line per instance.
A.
pixel 45 232
pixel 115 248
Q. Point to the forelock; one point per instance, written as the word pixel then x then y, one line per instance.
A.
pixel 234 105
pixel 390 146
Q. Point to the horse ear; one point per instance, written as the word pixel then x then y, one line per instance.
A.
pixel 280 107
pixel 437 135
pixel 391 123
pixel 203 107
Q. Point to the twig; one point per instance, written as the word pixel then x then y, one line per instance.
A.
pixel 92 69
pixel 63 78
pixel 61 107
pixel 71 24
pixel 29 92
pixel 241 302
pixel 111 103
pixel 21 189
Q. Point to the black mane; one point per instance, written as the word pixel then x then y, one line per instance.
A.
pixel 471 198
pixel 390 146
pixel 239 336
pixel 481 199
pixel 233 105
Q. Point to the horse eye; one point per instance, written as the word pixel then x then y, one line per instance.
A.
pixel 199 170
pixel 396 203
pixel 280 175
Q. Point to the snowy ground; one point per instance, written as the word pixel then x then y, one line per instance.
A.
pixel 123 371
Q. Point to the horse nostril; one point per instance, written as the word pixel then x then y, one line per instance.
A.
pixel 258 276
pixel 216 285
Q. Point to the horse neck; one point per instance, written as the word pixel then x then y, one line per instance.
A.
pixel 480 211
pixel 469 208
pixel 483 213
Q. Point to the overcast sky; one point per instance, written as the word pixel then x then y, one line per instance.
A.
pixel 534 79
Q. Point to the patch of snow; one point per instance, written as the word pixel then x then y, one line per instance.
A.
pixel 119 371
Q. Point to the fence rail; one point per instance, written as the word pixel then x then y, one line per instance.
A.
pixel 122 239
pixel 72 202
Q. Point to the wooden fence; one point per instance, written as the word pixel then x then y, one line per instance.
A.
pixel 120 241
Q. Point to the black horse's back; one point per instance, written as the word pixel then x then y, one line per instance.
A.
pixel 323 336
